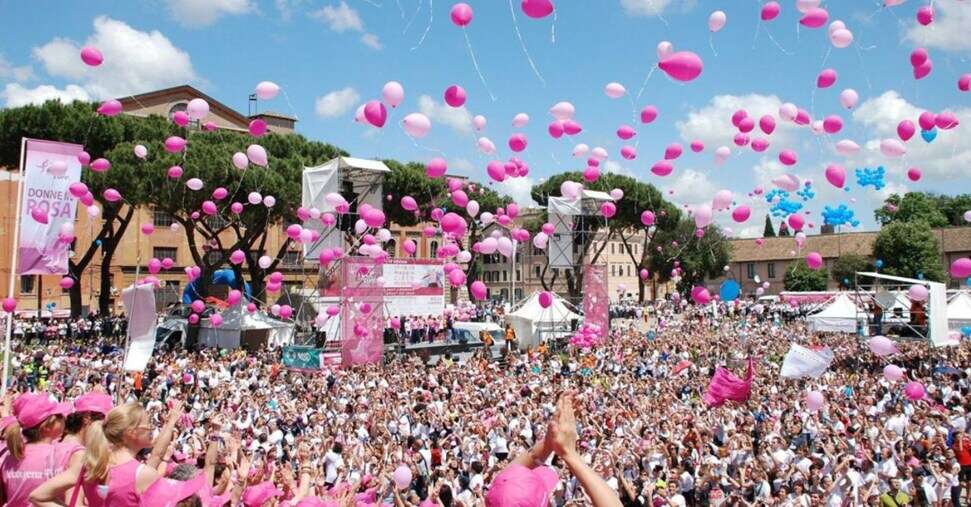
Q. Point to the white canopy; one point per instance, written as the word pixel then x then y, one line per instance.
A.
pixel 531 318
pixel 840 315
pixel 236 322
pixel 959 311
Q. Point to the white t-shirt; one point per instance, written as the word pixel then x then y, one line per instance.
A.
pixel 332 462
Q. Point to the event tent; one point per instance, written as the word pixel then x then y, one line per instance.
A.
pixel 959 311
pixel 840 315
pixel 531 321
pixel 239 328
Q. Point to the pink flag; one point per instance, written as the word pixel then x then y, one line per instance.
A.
pixel 726 386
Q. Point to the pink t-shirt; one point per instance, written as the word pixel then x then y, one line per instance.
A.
pixel 119 491
pixel 41 462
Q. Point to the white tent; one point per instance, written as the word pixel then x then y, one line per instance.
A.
pixel 531 320
pixel 237 321
pixel 959 311
pixel 840 315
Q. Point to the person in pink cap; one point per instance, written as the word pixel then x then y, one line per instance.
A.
pixel 111 476
pixel 175 493
pixel 259 494
pixel 529 482
pixel 33 455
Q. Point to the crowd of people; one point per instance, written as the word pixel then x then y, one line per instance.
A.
pixel 622 424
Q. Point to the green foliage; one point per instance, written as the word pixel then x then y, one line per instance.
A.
pixel 909 249
pixel 699 258
pixel 800 278
pixel 934 209
pixel 846 266
pixel 768 231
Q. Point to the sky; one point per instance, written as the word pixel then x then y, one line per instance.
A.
pixel 330 56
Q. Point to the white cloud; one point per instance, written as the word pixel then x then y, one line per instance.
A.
pixel 340 18
pixel 689 186
pixel 370 40
pixel 134 61
pixel 19 74
pixel 949 30
pixel 946 158
pixel 461 166
pixel 644 7
pixel 337 102
pixel 518 189
pixel 201 13
pixel 16 95
pixel 458 119
pixel 712 124
pixel 612 166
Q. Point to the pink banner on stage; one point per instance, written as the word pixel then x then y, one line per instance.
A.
pixel 362 311
pixel 49 169
pixel 596 301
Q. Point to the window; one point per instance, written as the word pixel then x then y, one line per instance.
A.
pixel 771 269
pixel 26 284
pixel 163 252
pixel 556 271
pixel 750 270
pixel 214 258
pixel 611 248
pixel 291 258
pixel 519 276
pixel 504 276
pixel 434 249
pixel 613 270
pixel 628 270
pixel 162 219
pixel 536 270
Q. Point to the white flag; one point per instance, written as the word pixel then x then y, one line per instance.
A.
pixel 802 362
pixel 140 307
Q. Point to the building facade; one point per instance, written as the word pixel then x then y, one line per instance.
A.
pixel 752 263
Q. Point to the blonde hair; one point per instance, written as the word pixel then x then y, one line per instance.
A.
pixel 17 438
pixel 102 436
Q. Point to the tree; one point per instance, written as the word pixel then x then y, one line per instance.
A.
pixel 800 278
pixel 768 231
pixel 77 122
pixel 846 267
pixel 697 258
pixel 914 206
pixel 624 225
pixel 909 249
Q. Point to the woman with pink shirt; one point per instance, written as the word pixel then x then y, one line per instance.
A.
pixel 110 474
pixel 33 451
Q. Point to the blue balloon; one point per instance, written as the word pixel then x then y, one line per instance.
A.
pixel 966 330
pixel 968 281
pixel 928 135
pixel 920 276
pixel 97 242
pixel 729 290
pixel 879 263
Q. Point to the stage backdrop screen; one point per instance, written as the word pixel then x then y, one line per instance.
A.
pixel 414 287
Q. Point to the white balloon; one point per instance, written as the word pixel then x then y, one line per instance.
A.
pixel 463 256
pixel 383 235
pixel 360 226
pixel 664 48
pixel 472 208
pixel 487 218
pixel 520 120
pixel 265 261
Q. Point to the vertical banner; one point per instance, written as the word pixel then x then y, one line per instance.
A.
pixel 49 169
pixel 139 303
pixel 362 311
pixel 595 298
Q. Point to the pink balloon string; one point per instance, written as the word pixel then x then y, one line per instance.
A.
pixel 711 43
pixel 475 63
pixel 758 28
pixel 522 44
pixel 420 146
pixel 431 19
pixel 646 79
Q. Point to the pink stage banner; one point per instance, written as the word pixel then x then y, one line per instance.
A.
pixel 362 311
pixel 596 302
pixel 49 169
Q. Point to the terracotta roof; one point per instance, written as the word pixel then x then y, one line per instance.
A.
pixel 952 239
pixel 275 115
pixel 134 101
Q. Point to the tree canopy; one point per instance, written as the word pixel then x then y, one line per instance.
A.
pixel 934 209
pixel 909 249
pixel 800 278
pixel 845 268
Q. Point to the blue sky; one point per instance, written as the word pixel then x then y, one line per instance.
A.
pixel 331 55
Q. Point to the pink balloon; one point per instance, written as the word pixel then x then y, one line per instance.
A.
pixel 9 304
pixel 591 174
pixel 39 215
pixel 915 391
pixel 478 290
pixel 700 295
pixel 84 158
pixel 662 168
pixel 66 283
pixel 918 57
pixel 628 152
pixel 257 127
pixel 814 400
pixel 545 299
pixel 946 120
pixel 648 114
pixel 927 120
pixel 408 203
pixel 647 218
pixel 905 130
pixel 849 98
pixel 626 132
pixel 788 157
pixel 608 209
pixel 572 127
pixel 517 142
pixel 91 56
pixel 110 108
pixel 917 292
pixel 375 113
pixel 770 10
pixel 147 229
pixel 410 247
pixel 814 18
pixel 814 260
pixel 924 69
pixel 836 175
pixel 913 174
pixel 741 213
pixel 673 151
pixel 436 167
pixel 832 124
pixel 961 268
pixel 826 78
pixel 455 96
pixel 393 93
pixel 796 222
pixel 175 172
pixel 77 189
pixel 100 165
pixel 925 15
pixel 682 65
pixel 741 139
pixel 180 118
pixel 759 145
pixel 496 171
pixel 697 146
pixel 111 195
pixel 174 144
pixel 537 9
pixel 461 14
pixel 746 124
pixel 964 82
pixel 767 124
pixel 893 373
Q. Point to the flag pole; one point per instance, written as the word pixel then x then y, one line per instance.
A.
pixel 13 262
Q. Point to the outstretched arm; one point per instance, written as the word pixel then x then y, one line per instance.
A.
pixel 564 428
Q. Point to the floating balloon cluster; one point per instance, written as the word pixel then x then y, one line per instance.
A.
pixel 841 215
pixel 871 177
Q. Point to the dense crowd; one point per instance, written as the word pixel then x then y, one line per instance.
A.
pixel 227 427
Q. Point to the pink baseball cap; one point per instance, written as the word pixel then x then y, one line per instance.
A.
pixel 256 496
pixel 93 402
pixel 7 421
pixel 313 501
pixel 518 486
pixel 32 409
pixel 168 492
